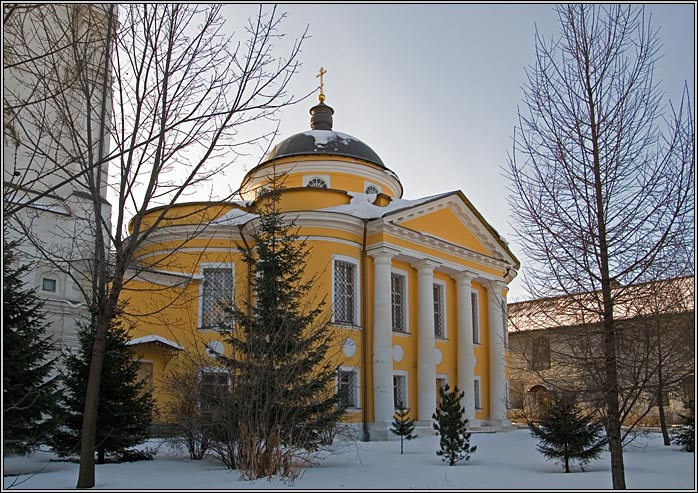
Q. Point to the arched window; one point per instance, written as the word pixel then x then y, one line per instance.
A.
pixel 540 357
pixel 372 189
pixel 317 182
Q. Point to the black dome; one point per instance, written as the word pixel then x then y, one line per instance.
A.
pixel 319 142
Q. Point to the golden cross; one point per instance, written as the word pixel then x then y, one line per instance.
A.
pixel 321 97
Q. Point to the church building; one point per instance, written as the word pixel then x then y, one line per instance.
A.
pixel 415 288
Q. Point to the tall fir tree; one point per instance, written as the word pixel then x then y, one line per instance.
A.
pixel 567 434
pixel 402 425
pixel 29 410
pixel 451 424
pixel 125 406
pixel 283 380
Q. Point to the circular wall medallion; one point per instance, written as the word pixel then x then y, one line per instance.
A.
pixel 349 347
pixel 437 356
pixel 398 353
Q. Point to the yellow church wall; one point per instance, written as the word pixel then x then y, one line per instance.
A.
pixel 445 224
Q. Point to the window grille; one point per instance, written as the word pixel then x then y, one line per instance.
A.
pixel 346 387
pixel 438 311
pixel 477 394
pixel 476 317
pixel 213 384
pixel 397 284
pixel 399 391
pixel 372 189
pixel 217 296
pixel 317 183
pixel 344 292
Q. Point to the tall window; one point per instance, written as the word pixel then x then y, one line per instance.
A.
pixel 516 394
pixel 439 323
pixel 346 387
pixel 344 292
pixel 474 302
pixel 217 296
pixel 478 403
pixel 399 391
pixel 213 383
pixel 397 286
pixel 540 357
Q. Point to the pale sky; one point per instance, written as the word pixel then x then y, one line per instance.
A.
pixel 434 89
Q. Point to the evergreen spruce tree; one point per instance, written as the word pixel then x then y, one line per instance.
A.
pixel 29 390
pixel 685 435
pixel 566 433
pixel 283 381
pixel 402 425
pixel 451 425
pixel 125 407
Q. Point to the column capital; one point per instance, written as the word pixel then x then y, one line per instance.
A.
pixel 382 254
pixel 425 265
pixel 496 286
pixel 464 277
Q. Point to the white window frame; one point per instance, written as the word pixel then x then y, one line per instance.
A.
pixel 477 393
pixel 357 283
pixel 43 284
pixel 357 385
pixel 444 377
pixel 442 286
pixel 212 265
pixel 371 184
pixel 308 178
pixel 211 369
pixel 406 302
pixel 477 334
pixel 406 395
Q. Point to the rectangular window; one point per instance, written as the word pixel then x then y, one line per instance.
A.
pixel 217 296
pixel 400 391
pixel 397 286
pixel 439 323
pixel 476 317
pixel 440 384
pixel 48 284
pixel 516 394
pixel 344 292
pixel 346 387
pixel 213 384
pixel 478 404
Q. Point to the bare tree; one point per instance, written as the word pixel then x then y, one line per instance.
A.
pixel 602 182
pixel 157 93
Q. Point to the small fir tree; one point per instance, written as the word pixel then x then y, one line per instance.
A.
pixel 451 425
pixel 685 435
pixel 402 425
pixel 566 433
pixel 29 410
pixel 280 341
pixel 125 407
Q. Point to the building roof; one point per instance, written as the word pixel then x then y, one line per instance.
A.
pixel 156 340
pixel 665 296
pixel 322 140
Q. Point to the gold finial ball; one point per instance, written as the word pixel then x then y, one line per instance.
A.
pixel 321 97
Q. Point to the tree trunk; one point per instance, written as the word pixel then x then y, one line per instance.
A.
pixel 662 422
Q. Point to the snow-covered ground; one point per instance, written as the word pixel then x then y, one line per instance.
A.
pixel 507 461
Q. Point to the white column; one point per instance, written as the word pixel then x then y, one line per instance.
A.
pixel 382 338
pixel 498 376
pixel 426 369
pixel 465 352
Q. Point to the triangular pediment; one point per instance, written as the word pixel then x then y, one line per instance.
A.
pixel 454 220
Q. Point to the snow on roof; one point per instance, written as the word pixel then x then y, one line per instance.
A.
pixel 154 338
pixel 361 205
pixel 234 217
pixel 324 137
